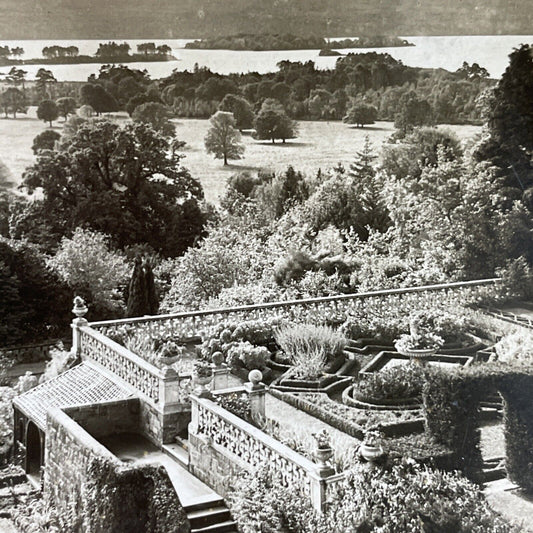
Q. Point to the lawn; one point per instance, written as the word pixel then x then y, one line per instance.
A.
pixel 319 145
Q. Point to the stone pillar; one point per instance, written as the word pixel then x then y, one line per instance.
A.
pixel 257 393
pixel 318 492
pixel 169 391
pixel 80 310
pixel 220 372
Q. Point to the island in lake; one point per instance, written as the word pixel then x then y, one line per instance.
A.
pixel 270 41
pixel 110 52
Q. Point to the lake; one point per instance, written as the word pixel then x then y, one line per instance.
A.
pixel 446 52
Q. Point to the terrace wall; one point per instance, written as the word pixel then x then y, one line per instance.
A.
pixel 69 453
pixel 107 418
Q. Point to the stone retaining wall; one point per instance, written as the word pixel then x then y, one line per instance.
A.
pixel 69 452
pixel 107 418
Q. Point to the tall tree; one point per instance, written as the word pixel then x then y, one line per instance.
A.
pixel 66 106
pixel 241 109
pixel 13 101
pixel 43 78
pixel 98 98
pixel 414 111
pixel 222 139
pixel 273 123
pixel 361 114
pixel 122 181
pixel 156 115
pixel 47 111
pixel 510 119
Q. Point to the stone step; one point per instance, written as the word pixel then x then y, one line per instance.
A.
pixel 224 527
pixel 208 517
pixel 210 502
pixel 178 453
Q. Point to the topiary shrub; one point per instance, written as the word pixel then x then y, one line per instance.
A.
pixel 516 390
pixel 396 383
pixel 451 405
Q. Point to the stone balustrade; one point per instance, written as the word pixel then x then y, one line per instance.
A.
pixel 234 444
pixel 316 310
pixel 162 387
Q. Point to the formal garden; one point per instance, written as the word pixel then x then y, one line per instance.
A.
pixel 347 349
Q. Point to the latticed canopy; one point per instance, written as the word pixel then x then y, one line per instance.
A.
pixel 83 384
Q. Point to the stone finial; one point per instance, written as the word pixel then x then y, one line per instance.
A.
pixel 218 359
pixel 79 309
pixel 255 377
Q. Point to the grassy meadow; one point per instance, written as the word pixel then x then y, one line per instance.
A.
pixel 319 145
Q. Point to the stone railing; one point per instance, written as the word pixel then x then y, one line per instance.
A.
pixel 163 387
pixel 249 448
pixel 317 310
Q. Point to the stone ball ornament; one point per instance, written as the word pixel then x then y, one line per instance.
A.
pixel 255 377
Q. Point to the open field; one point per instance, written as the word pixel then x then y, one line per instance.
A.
pixel 319 145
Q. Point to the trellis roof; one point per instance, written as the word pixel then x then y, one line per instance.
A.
pixel 83 384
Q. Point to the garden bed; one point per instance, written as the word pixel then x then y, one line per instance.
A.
pixel 353 421
pixel 352 399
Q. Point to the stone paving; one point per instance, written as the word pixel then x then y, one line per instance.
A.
pixel 508 500
pixel 133 448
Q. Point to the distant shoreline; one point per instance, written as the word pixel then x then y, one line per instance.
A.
pixel 273 42
pixel 84 59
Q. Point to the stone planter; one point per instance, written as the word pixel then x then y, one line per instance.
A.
pixel 201 383
pixel 371 453
pixel 323 456
pixel 419 356
pixel 167 361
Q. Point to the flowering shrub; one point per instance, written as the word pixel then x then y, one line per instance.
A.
pixel 399 382
pixel 323 439
pixel 402 498
pixel 303 340
pixel 203 369
pixel 425 341
pixel 410 498
pixel 250 356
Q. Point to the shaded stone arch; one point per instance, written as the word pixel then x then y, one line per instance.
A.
pixel 34 442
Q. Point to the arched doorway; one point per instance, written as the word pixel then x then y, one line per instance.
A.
pixel 33 450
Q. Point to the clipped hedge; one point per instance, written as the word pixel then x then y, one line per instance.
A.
pixel 451 404
pixel 517 391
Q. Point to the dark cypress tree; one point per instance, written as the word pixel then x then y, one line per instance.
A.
pixel 510 119
pixel 151 293
pixel 137 294
pixel 142 294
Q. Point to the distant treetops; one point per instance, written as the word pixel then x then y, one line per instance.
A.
pixel 270 41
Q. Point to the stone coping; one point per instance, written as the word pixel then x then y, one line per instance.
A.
pixel 290 303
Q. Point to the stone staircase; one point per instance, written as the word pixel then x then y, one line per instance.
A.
pixel 211 516
pixel 208 513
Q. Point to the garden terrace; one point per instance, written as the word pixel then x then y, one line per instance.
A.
pixel 196 325
pixel 219 437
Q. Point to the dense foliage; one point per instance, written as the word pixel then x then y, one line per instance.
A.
pixel 401 498
pixel 34 301
pixel 120 181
